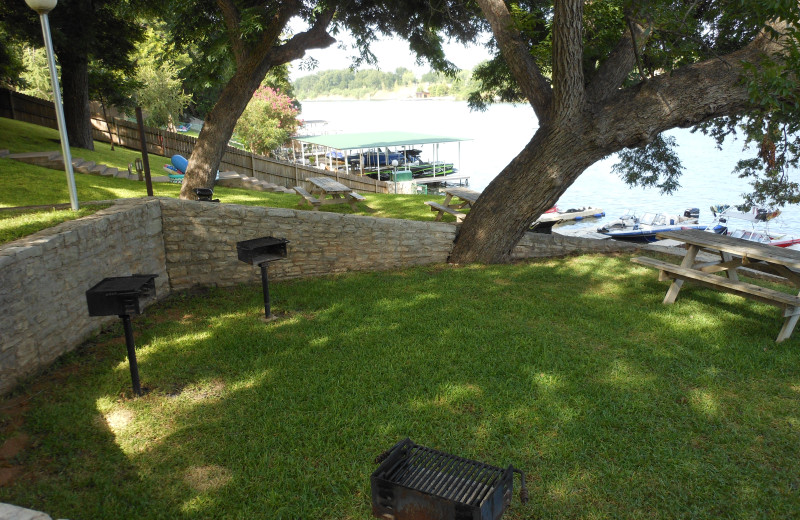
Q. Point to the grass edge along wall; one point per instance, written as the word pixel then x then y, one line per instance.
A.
pixel 44 277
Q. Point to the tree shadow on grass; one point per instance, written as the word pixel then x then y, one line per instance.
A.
pixel 614 408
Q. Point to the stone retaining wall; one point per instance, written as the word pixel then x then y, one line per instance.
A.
pixel 200 241
pixel 44 277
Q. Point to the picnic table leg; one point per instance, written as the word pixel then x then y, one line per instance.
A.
pixel 730 273
pixel 788 324
pixel 688 262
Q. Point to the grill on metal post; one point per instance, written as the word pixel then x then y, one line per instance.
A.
pixel 418 483
pixel 260 252
pixel 121 295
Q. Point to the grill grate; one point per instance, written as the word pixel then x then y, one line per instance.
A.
pixel 461 480
pixel 414 481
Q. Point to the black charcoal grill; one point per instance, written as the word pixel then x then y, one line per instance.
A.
pixel 122 295
pixel 418 483
pixel 261 251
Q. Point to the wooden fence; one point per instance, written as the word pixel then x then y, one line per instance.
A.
pixel 14 105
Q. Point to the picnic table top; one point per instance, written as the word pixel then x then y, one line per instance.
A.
pixel 329 185
pixel 737 246
pixel 463 193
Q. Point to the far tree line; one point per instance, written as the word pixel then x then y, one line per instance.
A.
pixel 364 83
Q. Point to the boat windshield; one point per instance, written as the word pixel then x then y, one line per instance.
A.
pixel 648 219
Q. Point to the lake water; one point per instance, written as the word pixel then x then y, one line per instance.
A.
pixel 501 132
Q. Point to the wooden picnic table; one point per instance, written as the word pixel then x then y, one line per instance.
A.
pixel 734 253
pixel 465 198
pixel 324 187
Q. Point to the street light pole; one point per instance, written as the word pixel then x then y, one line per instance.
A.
pixel 42 7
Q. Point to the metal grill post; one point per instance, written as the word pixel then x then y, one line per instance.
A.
pixel 265 288
pixel 126 323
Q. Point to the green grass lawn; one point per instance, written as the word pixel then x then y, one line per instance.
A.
pixel 28 185
pixel 614 405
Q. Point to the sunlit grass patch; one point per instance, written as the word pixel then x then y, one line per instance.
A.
pixel 616 407
pixel 18 224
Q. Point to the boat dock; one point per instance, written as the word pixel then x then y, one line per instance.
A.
pixel 442 178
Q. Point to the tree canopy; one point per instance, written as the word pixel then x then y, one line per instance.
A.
pixel 102 32
pixel 605 76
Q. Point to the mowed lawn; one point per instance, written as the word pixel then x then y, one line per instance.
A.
pixel 614 405
pixel 29 185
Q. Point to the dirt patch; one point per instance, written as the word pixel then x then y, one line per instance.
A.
pixel 14 446
pixel 12 419
pixel 207 478
pixel 7 475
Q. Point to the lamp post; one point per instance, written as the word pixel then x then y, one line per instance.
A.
pixel 42 7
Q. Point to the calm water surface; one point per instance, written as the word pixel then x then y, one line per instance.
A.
pixel 501 132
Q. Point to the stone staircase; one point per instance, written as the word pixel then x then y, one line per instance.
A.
pixel 237 180
pixel 55 161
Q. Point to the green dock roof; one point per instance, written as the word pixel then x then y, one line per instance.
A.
pixel 376 139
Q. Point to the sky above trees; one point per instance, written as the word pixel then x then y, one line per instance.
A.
pixel 391 53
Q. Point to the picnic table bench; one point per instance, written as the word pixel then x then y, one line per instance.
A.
pixel 324 187
pixel 734 253
pixel 465 198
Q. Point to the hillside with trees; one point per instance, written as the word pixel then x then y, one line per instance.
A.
pixel 364 84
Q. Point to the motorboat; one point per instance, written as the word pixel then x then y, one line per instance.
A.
pixel 633 228
pixel 759 231
pixel 553 216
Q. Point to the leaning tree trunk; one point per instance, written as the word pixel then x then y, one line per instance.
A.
pixel 525 189
pixel 218 129
pixel 75 84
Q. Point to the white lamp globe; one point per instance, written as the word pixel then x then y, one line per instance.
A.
pixel 42 6
pixel 395 163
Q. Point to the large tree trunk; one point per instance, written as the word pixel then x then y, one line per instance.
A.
pixel 75 84
pixel 218 129
pixel 252 65
pixel 580 123
pixel 525 189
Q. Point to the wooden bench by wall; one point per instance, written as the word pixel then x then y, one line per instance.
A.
pixel 442 209
pixel 307 198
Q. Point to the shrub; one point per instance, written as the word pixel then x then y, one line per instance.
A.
pixel 268 121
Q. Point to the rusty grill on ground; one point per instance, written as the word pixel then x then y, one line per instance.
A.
pixel 415 482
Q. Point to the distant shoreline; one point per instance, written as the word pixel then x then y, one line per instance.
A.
pixel 402 94
pixel 345 98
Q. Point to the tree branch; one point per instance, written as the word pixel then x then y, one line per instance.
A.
pixel 515 51
pixel 688 96
pixel 615 69
pixel 316 37
pixel 232 18
pixel 568 87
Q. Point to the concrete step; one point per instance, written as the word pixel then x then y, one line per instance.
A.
pixel 85 167
pixel 4 153
pixel 98 169
pixel 76 162
pixel 38 158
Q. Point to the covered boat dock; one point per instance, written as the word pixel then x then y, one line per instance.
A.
pixel 341 145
